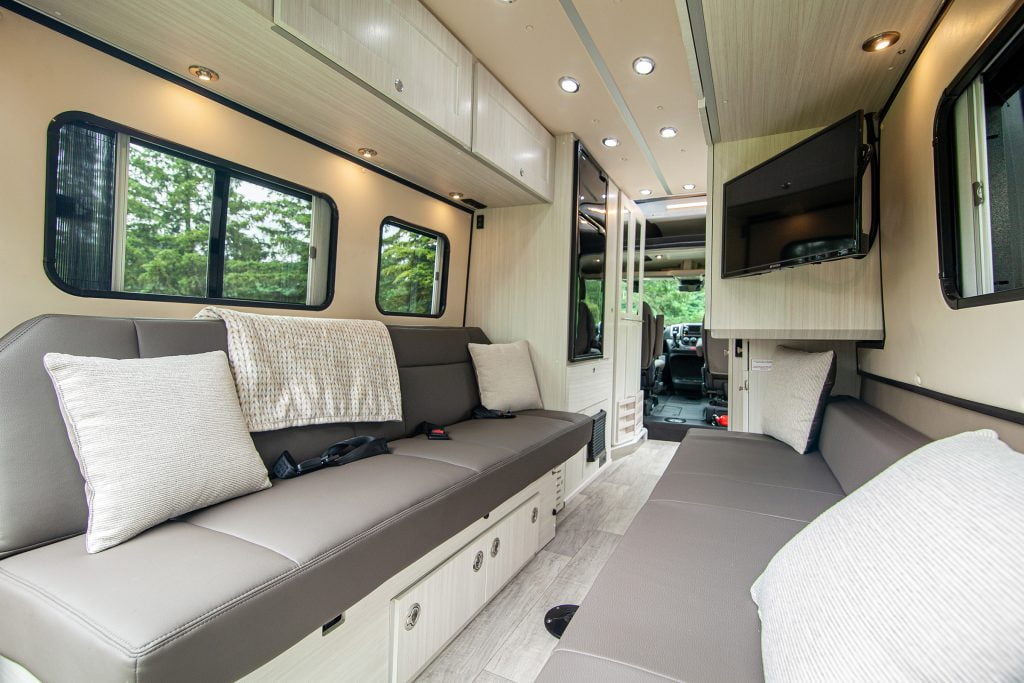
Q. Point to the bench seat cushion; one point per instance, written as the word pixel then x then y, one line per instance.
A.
pixel 219 592
pixel 673 601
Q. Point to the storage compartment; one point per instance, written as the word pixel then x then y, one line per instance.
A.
pixel 433 611
pixel 508 136
pixel 510 544
pixel 396 47
pixel 425 617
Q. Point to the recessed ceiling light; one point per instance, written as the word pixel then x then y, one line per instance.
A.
pixel 668 132
pixel 880 41
pixel 610 142
pixel 645 192
pixel 569 84
pixel 456 195
pixel 689 186
pixel 367 152
pixel 657 256
pixel 687 205
pixel 203 73
pixel 643 65
pixel 506 2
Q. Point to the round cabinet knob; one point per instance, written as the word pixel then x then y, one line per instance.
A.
pixel 495 544
pixel 399 86
pixel 534 515
pixel 412 617
pixel 478 561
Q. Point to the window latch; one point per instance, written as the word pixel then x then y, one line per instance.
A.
pixel 312 252
pixel 978 191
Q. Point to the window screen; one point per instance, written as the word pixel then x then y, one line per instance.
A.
pixel 135 217
pixel 412 271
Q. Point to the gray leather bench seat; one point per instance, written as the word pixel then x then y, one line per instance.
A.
pixel 213 595
pixel 673 601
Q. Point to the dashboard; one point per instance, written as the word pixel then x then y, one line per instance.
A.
pixel 682 337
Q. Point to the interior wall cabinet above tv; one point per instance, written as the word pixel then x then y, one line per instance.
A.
pixel 397 48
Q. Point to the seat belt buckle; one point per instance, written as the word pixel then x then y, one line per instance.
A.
pixel 438 434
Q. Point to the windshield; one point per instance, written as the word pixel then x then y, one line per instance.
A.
pixel 664 297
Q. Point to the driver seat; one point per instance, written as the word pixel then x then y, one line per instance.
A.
pixel 716 366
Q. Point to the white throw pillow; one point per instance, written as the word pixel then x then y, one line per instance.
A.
pixel 504 373
pixel 916 575
pixel 155 438
pixel 795 393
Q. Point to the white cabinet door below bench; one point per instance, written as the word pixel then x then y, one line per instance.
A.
pixel 427 615
pixel 511 543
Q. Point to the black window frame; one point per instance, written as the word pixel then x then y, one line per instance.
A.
pixel 579 151
pixel 442 241
pixel 944 145
pixel 224 171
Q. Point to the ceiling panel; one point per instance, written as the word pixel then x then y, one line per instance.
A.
pixel 625 30
pixel 529 44
pixel 788 65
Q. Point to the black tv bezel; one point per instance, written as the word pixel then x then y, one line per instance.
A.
pixel 862 245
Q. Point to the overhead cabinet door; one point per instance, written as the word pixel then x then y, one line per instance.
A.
pixel 396 47
pixel 508 136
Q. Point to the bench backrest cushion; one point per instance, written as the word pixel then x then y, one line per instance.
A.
pixel 42 496
pixel 859 441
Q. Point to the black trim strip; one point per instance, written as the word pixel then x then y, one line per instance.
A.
pixel 913 59
pixel 983 408
pixel 117 53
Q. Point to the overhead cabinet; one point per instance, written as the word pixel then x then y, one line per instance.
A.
pixel 398 48
pixel 509 137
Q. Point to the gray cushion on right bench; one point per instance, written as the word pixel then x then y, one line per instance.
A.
pixel 859 441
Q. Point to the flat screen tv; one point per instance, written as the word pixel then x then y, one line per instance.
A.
pixel 808 204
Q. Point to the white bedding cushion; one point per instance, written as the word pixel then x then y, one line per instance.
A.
pixel 916 575
pixel 154 437
pixel 504 373
pixel 795 393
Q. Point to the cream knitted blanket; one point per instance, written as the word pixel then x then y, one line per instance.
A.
pixel 292 371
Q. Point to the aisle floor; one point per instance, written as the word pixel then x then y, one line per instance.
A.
pixel 507 641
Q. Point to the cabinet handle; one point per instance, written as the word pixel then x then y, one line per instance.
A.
pixel 495 544
pixel 534 515
pixel 478 561
pixel 412 617
pixel 399 86
pixel 522 172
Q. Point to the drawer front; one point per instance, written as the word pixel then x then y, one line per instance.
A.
pixel 426 616
pixel 511 543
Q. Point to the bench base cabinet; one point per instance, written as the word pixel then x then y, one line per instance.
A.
pixel 428 615
pixel 396 631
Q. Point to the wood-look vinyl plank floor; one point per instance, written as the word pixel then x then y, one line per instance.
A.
pixel 507 641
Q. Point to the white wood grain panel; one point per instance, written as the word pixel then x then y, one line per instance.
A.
pixel 519 277
pixel 442 604
pixel 506 134
pixel 834 300
pixel 794 64
pixel 518 537
pixel 587 383
pixel 270 73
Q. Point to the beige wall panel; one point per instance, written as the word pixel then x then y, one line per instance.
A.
pixel 973 353
pixel 519 278
pixel 834 300
pixel 43 74
pixel 934 418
